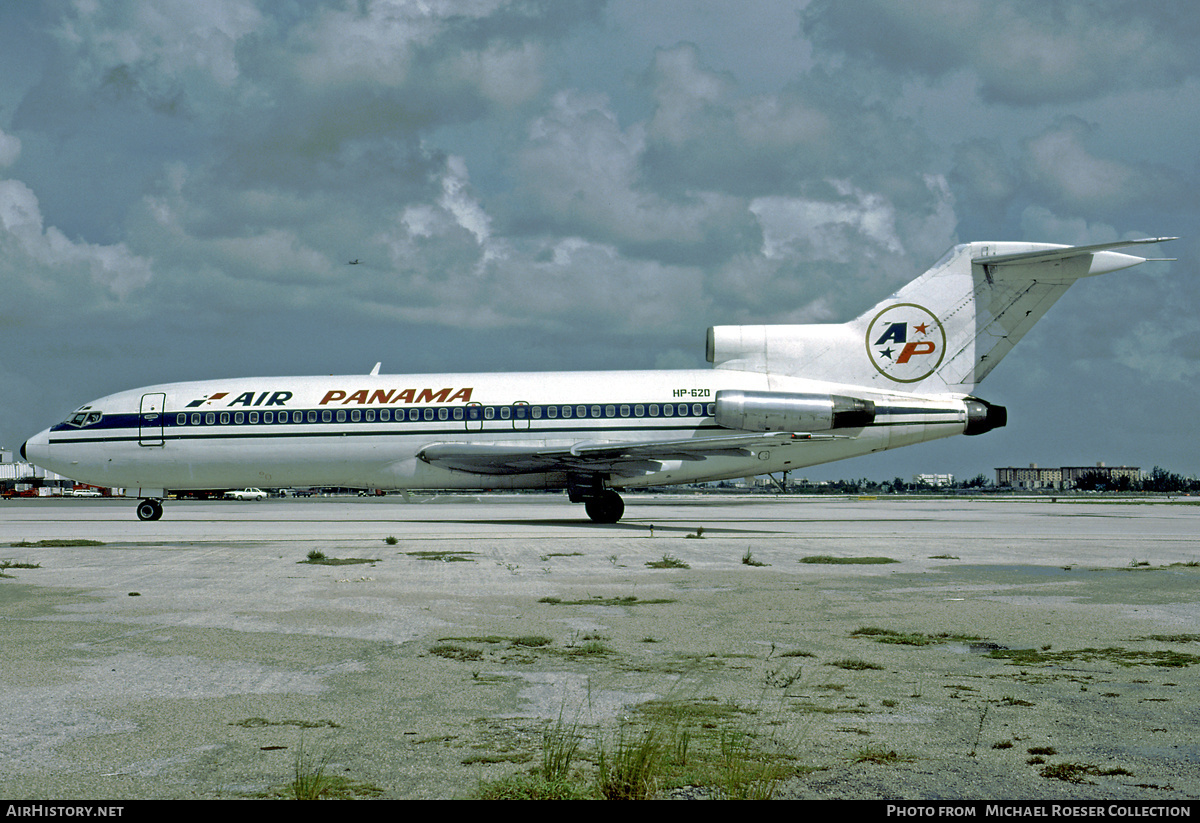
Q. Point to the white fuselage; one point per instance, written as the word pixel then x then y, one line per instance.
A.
pixel 366 431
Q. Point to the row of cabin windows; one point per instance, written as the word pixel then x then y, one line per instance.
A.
pixel 520 411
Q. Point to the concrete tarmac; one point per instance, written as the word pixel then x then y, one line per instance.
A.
pixel 199 657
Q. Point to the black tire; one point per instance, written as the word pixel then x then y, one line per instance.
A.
pixel 149 510
pixel 607 508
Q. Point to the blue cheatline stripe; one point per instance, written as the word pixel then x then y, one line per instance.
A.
pixel 179 425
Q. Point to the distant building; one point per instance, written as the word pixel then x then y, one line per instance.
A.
pixel 933 479
pixel 1064 477
pixel 1110 474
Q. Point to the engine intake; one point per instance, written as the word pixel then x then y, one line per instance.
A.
pixel 781 411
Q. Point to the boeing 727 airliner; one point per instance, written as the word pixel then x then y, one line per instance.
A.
pixel 777 398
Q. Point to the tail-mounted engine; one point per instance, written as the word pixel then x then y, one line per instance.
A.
pixel 784 412
pixel 983 416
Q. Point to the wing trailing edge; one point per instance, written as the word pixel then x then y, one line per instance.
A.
pixel 628 459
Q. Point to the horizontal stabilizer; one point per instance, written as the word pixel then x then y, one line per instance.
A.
pixel 1049 255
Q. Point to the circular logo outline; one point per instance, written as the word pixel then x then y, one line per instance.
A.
pixel 941 330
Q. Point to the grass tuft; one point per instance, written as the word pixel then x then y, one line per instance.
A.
pixel 668 562
pixel 319 558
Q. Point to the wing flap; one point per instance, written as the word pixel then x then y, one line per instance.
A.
pixel 626 459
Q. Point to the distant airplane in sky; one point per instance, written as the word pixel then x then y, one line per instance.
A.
pixel 353 262
pixel 778 398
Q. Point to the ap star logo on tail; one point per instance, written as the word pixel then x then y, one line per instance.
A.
pixel 906 342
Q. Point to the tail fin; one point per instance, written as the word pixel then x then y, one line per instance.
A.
pixel 943 332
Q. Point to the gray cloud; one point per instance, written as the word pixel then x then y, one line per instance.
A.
pixel 1021 52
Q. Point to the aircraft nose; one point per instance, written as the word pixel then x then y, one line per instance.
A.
pixel 37 449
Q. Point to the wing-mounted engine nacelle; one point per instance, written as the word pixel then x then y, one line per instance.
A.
pixel 786 412
pixel 983 416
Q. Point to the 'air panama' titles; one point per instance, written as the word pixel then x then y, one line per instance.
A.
pixel 361 397
pixel 365 397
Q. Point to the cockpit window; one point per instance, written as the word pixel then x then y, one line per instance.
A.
pixel 84 417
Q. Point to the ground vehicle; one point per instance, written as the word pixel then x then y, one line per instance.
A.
pixel 246 494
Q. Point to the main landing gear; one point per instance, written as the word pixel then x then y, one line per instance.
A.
pixel 149 509
pixel 607 508
pixel 602 504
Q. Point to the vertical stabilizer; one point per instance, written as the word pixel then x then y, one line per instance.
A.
pixel 943 332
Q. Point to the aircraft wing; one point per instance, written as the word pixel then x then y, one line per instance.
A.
pixel 625 459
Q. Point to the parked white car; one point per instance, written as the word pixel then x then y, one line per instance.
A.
pixel 246 494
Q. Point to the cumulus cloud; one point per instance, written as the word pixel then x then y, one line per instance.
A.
pixel 159 49
pixel 40 263
pixel 10 149
pixel 826 230
pixel 1058 162
pixel 581 172
pixel 386 44
pixel 1022 52
pixel 1162 354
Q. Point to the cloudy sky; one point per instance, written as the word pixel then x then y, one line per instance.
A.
pixel 581 184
